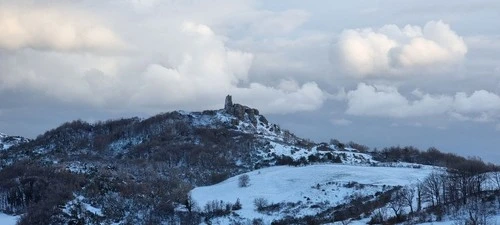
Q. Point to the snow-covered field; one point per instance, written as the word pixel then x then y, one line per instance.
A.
pixel 7 219
pixel 310 184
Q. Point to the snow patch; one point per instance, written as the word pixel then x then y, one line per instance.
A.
pixel 79 204
pixel 8 219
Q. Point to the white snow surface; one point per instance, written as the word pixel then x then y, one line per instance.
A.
pixel 492 220
pixel 8 219
pixel 314 184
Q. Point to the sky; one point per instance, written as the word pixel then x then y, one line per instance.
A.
pixel 380 73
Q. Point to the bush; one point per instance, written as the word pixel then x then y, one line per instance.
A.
pixel 217 208
pixel 339 145
pixel 243 180
pixel 359 147
pixel 257 221
pixel 269 208
pixel 237 205
pixel 260 203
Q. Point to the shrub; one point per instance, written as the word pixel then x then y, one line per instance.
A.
pixel 359 147
pixel 260 203
pixel 243 180
pixel 217 208
pixel 257 221
pixel 237 205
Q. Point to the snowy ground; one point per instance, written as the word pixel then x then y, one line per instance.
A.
pixel 310 184
pixel 7 219
pixel 494 220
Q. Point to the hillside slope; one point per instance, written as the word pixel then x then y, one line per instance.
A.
pixel 309 190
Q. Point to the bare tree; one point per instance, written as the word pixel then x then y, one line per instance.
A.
pixel 495 177
pixel 478 212
pixel 190 203
pixel 398 203
pixel 432 188
pixel 243 180
pixel 420 194
pixel 260 203
pixel 379 216
pixel 408 194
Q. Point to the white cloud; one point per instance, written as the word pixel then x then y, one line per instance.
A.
pixel 365 52
pixel 308 97
pixel 177 54
pixel 60 29
pixel 194 70
pixel 479 101
pixel 205 66
pixel 210 70
pixel 391 50
pixel 387 101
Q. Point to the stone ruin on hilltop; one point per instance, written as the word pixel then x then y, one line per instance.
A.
pixel 239 111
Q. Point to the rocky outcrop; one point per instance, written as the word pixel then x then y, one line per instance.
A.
pixel 242 112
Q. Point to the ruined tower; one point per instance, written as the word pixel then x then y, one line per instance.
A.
pixel 228 105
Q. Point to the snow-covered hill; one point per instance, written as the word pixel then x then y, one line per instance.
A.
pixel 141 171
pixel 315 188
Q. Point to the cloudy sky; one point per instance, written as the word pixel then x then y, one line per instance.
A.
pixel 381 73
